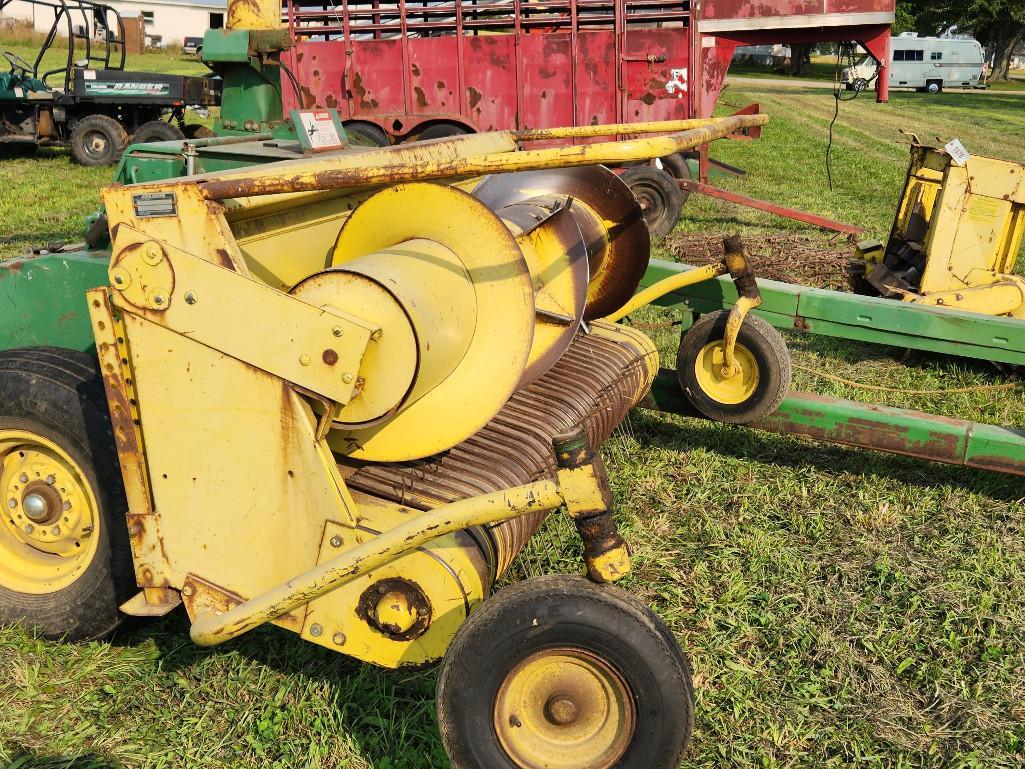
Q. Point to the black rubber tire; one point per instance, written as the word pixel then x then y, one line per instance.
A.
pixel 59 394
pixel 157 131
pixel 442 131
pixel 659 195
pixel 769 351
pixel 365 134
pixel 198 131
pixel 98 140
pixel 564 611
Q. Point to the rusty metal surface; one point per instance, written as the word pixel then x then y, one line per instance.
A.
pixel 595 383
pixel 617 257
pixel 806 260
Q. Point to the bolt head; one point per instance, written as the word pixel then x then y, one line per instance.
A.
pixel 56 531
pixel 51 479
pixel 337 331
pixel 336 541
pixel 316 630
pixel 339 639
pixel 12 503
pixel 29 528
pixel 190 297
pixel 23 478
pixel 188 590
pixel 347 377
pixel 304 360
pixel 153 254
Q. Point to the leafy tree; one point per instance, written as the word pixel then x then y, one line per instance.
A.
pixel 998 24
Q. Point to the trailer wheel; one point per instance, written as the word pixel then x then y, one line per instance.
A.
pixel 560 673
pixel 752 394
pixel 198 131
pixel 659 196
pixel 98 140
pixel 934 86
pixel 157 131
pixel 366 134
pixel 65 561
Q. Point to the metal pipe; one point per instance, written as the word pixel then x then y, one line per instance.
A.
pixel 666 286
pixel 210 629
pixel 578 132
pixel 271 181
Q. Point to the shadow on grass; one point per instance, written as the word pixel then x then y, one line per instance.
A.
pixel 388 715
pixel 791 452
pixel 30 759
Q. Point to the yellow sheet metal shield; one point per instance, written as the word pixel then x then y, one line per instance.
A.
pixel 502 327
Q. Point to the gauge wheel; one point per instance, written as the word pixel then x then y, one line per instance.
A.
pixel 659 196
pixel 752 394
pixel 560 673
pixel 198 131
pixel 98 140
pixel 365 134
pixel 65 559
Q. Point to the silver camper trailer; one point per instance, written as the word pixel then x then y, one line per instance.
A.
pixel 925 64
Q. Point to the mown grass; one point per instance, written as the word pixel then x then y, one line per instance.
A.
pixel 840 607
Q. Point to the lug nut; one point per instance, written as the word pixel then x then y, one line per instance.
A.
pixel 23 478
pixel 29 528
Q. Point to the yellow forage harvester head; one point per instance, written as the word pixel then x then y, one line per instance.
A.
pixel 347 389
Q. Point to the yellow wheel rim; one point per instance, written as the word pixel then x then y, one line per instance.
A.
pixel 731 390
pixel 49 526
pixel 564 709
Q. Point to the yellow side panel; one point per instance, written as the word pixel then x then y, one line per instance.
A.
pixel 239 482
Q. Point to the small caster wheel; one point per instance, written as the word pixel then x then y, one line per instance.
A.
pixel 560 673
pixel 659 196
pixel 752 394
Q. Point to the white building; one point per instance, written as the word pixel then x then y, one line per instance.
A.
pixel 169 21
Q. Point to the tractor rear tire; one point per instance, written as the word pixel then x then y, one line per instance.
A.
pixel 98 140
pixel 157 131
pixel 747 397
pixel 442 131
pixel 532 671
pixel 65 559
pixel 197 131
pixel 659 196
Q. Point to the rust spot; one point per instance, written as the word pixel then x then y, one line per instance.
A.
pixel 421 98
pixel 307 96
pixel 474 96
pixel 440 85
pixel 69 315
pixel 330 100
pixel 330 357
pixel 648 98
pixel 224 259
pixel 415 69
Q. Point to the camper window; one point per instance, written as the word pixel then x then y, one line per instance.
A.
pixel 909 55
pixel 936 55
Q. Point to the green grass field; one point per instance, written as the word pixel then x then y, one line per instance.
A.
pixel 840 607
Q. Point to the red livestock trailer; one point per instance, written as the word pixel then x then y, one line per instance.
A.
pixel 401 68
pixel 423 69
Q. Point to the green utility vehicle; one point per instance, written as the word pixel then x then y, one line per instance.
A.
pixel 90 102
